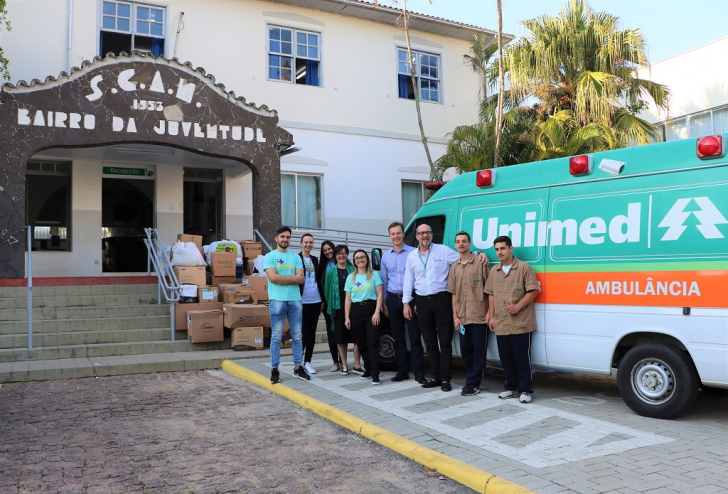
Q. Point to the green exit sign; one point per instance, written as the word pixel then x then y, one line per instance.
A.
pixel 129 172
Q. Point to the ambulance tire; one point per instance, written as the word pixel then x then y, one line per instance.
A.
pixel 657 380
pixel 387 357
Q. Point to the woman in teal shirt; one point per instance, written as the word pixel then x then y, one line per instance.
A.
pixel 361 309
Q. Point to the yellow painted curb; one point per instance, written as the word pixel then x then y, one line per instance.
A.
pixel 475 478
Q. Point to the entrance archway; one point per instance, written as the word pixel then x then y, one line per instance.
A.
pixel 138 99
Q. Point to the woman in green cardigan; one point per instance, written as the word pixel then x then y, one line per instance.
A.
pixel 335 296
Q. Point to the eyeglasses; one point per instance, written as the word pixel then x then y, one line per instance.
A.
pixel 341 254
pixel 360 258
pixel 422 234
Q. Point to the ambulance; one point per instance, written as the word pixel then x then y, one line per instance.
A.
pixel 630 248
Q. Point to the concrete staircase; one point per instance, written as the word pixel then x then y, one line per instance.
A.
pixel 96 331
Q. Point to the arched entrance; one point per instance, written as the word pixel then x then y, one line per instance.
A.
pixel 134 99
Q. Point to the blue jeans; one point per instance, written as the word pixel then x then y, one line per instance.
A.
pixel 278 313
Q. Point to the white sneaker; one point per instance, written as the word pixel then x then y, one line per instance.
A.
pixel 335 368
pixel 525 397
pixel 508 394
pixel 309 368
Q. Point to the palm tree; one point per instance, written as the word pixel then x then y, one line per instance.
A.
pixel 481 51
pixel 560 135
pixel 580 61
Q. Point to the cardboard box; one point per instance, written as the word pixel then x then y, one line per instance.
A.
pixel 222 264
pixel 208 294
pixel 259 284
pixel 204 325
pixel 247 316
pixel 180 312
pixel 236 294
pixel 190 275
pixel 249 337
pixel 196 239
pixel 222 280
pixel 251 249
pixel 249 265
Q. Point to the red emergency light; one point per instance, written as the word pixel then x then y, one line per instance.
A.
pixel 711 147
pixel 434 185
pixel 580 165
pixel 485 178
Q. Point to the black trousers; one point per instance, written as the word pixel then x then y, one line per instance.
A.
pixel 309 321
pixel 515 356
pixel 435 315
pixel 473 345
pixel 398 324
pixel 366 334
pixel 331 338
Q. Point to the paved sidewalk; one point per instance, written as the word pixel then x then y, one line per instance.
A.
pixel 576 437
pixel 189 432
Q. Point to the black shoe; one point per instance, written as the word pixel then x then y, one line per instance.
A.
pixel 275 376
pixel 376 381
pixel 400 377
pixel 432 383
pixel 420 378
pixel 357 370
pixel 366 375
pixel 301 373
pixel 446 386
pixel 470 390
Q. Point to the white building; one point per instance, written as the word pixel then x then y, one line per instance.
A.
pixel 332 69
pixel 698 82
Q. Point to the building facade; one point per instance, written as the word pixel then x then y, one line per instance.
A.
pixel 334 71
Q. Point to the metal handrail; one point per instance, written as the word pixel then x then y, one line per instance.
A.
pixel 30 288
pixel 259 236
pixel 167 283
pixel 353 239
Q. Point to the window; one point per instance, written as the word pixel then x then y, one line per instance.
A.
pixel 705 123
pixel 294 56
pixel 301 200
pixel 413 197
pixel 48 201
pixel 128 26
pixel 427 66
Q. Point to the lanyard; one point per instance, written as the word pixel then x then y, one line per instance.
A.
pixel 427 259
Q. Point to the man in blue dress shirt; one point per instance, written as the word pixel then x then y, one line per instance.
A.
pixel 393 264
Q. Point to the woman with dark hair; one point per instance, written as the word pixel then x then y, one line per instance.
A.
pixel 334 293
pixel 361 311
pixel 327 261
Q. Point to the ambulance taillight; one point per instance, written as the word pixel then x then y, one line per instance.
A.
pixel 434 185
pixel 485 178
pixel 711 147
pixel 580 165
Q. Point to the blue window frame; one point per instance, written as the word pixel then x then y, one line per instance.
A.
pixel 427 66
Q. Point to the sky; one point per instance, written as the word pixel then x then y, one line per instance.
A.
pixel 670 27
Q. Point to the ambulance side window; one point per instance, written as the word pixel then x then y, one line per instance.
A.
pixel 437 223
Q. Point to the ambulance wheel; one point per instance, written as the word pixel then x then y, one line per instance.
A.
pixel 657 380
pixel 387 357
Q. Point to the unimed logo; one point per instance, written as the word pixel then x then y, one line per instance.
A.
pixel 626 226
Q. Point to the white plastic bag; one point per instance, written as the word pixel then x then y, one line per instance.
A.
pixel 225 246
pixel 186 254
pixel 258 265
pixel 188 291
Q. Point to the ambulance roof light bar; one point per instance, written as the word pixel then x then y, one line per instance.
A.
pixel 580 165
pixel 485 178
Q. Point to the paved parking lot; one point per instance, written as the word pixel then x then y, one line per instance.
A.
pixel 577 436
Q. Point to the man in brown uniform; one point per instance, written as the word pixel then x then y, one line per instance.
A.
pixel 511 287
pixel 466 283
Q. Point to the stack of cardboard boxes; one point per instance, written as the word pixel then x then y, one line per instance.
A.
pixel 234 301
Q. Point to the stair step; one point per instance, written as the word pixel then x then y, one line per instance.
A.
pixel 78 290
pixel 89 337
pixel 67 325
pixel 78 300
pixel 74 368
pixel 90 312
pixel 106 349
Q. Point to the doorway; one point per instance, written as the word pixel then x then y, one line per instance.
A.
pixel 127 207
pixel 202 204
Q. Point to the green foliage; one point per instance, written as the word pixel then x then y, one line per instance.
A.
pixel 4 23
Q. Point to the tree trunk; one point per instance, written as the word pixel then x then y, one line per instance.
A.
pixel 435 174
pixel 501 90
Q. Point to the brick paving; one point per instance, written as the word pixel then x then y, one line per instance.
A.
pixel 187 432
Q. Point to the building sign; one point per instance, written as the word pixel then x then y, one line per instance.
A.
pixel 135 99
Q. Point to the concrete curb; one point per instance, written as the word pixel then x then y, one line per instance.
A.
pixel 475 478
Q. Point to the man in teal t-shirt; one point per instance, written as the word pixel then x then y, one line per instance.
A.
pixel 285 273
